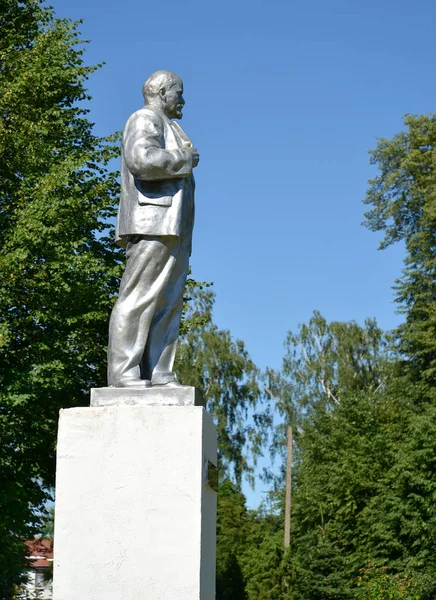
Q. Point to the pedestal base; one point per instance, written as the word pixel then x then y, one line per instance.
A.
pixel 135 511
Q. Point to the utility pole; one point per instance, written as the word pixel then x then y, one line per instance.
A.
pixel 288 491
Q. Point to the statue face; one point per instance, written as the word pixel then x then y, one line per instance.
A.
pixel 173 101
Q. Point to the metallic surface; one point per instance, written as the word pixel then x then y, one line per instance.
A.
pixel 155 221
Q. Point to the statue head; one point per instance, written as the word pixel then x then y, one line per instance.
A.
pixel 164 91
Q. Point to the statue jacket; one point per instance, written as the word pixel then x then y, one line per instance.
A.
pixel 157 184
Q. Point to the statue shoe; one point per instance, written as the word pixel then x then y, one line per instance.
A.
pixel 169 384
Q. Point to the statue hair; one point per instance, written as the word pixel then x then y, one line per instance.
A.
pixel 157 81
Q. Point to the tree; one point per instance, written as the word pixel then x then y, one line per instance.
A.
pixel 330 373
pixel 267 565
pixel 221 368
pixel 232 532
pixel 364 483
pixel 403 200
pixel 378 582
pixel 323 362
pixel 59 268
pixel 251 561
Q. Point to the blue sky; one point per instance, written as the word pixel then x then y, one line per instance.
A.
pixel 283 101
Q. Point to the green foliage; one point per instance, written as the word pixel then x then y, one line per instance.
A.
pixel 232 532
pixel 12 558
pixel 325 361
pixel 403 199
pixel 336 477
pixel 364 489
pixel 251 561
pixel 377 583
pixel 220 367
pixel 267 565
pixel 401 525
pixel 195 316
pixel 323 573
pixel 364 466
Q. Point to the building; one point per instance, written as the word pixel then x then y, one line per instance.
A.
pixel 40 570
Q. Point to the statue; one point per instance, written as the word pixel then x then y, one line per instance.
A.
pixel 154 225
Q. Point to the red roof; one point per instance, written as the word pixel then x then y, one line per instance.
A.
pixel 39 551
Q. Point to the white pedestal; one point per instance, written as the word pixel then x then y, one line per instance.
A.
pixel 135 511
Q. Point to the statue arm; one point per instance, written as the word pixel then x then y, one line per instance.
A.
pixel 145 157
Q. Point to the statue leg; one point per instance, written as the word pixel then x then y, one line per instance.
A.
pixel 164 331
pixel 149 266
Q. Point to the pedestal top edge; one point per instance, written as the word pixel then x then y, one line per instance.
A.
pixel 154 396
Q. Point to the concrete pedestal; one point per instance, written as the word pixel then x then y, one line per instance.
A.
pixel 135 504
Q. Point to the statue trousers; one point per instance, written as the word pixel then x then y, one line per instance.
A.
pixel 145 320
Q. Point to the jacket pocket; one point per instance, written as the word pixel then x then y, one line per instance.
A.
pixel 157 193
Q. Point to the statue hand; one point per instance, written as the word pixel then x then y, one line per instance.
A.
pixel 195 157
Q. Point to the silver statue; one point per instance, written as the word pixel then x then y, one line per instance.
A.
pixel 155 221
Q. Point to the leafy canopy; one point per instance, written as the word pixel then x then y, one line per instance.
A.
pixel 220 367
pixel 403 205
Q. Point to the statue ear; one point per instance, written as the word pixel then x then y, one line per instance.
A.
pixel 162 92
